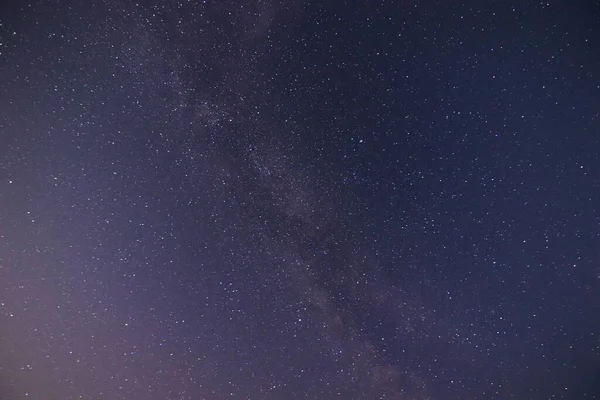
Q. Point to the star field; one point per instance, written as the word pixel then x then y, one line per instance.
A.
pixel 299 200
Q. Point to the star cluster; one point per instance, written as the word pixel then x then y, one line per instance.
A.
pixel 299 200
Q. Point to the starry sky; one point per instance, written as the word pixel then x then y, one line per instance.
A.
pixel 299 200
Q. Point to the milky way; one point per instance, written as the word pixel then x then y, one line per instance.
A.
pixel 299 200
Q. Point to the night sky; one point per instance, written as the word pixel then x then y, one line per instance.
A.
pixel 299 200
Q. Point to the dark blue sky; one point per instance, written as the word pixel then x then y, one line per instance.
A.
pixel 300 200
